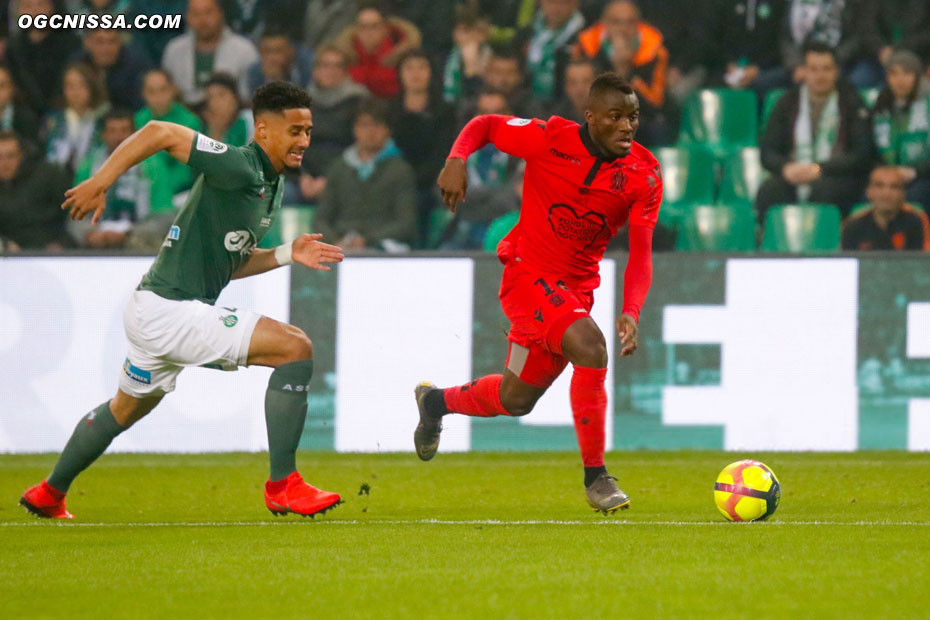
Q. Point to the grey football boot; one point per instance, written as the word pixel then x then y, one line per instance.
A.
pixel 605 496
pixel 426 437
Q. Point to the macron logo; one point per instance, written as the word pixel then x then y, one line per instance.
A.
pixel 565 156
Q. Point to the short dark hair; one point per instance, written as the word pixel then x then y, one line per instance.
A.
pixel 413 53
pixel 507 52
pixel 816 46
pixel 375 108
pixel 279 96
pixel 119 114
pixel 607 82
pixel 226 80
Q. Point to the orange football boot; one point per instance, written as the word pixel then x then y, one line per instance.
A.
pixel 45 501
pixel 300 498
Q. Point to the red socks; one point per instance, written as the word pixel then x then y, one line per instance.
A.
pixel 589 409
pixel 480 398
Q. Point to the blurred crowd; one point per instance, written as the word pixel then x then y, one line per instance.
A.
pixel 392 82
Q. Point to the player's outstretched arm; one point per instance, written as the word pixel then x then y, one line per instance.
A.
pixel 306 250
pixel 155 136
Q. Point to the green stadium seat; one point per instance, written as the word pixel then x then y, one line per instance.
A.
pixel 688 178
pixel 290 223
pixel 742 175
pixel 717 228
pixel 802 228
pixel 723 119
pixel 498 229
pixel 768 104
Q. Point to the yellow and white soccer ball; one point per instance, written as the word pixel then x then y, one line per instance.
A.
pixel 747 491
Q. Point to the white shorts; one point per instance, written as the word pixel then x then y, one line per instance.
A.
pixel 165 336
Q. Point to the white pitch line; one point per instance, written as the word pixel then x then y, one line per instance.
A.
pixel 605 522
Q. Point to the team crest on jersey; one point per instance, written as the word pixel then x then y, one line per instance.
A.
pixel 617 181
pixel 209 145
pixel 241 241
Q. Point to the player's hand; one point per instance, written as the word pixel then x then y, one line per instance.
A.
pixel 87 197
pixel 629 334
pixel 453 182
pixel 310 252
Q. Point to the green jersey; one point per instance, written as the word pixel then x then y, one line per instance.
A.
pixel 230 208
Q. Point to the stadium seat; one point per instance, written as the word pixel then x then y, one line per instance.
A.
pixel 717 228
pixel 742 175
pixel 291 222
pixel 771 98
pixel 499 229
pixel 802 228
pixel 723 119
pixel 688 178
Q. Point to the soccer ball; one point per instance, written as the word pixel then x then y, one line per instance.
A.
pixel 747 491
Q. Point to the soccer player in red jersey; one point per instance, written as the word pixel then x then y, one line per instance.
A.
pixel 582 183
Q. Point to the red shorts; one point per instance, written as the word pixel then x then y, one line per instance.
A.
pixel 540 308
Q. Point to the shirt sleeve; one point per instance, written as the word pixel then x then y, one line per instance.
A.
pixel 221 164
pixel 645 208
pixel 520 137
pixel 638 275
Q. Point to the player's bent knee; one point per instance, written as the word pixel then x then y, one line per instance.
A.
pixel 299 346
pixel 586 346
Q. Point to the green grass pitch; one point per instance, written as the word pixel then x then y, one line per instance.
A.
pixel 476 535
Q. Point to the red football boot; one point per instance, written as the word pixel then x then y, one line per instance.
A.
pixel 298 497
pixel 45 501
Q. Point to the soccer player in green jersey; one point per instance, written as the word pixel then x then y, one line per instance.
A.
pixel 171 321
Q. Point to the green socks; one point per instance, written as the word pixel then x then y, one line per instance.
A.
pixel 90 438
pixel 285 413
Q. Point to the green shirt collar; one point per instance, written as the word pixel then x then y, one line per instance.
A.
pixel 270 173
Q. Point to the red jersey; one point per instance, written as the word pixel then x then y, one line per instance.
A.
pixel 575 198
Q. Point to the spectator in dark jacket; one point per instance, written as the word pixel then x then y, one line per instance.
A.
pixel 422 125
pixel 335 100
pixel 121 67
pixel 889 223
pixel 31 192
pixel 817 143
pixel 37 58
pixel 370 196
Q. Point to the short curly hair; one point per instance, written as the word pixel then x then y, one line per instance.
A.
pixel 279 96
